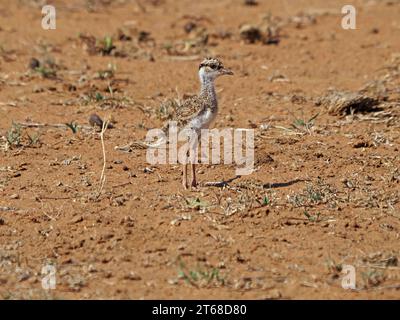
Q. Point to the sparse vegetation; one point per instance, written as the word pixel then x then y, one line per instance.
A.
pixel 311 218
pixel 73 126
pixel 201 277
pixel 315 194
pixel 106 45
pixel 17 137
pixel 324 193
pixel 303 124
pixel 196 203
pixel 46 72
pixel 107 73
pixel 373 278
pixel 13 135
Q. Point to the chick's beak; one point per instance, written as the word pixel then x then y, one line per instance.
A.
pixel 225 71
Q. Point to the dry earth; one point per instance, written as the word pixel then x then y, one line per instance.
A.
pixel 325 106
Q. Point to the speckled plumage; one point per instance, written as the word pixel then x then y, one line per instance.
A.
pixel 213 63
pixel 199 111
pixel 191 109
pixel 195 113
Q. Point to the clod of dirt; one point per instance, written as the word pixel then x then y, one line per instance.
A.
pixel 345 103
pixel 107 46
pixel 118 201
pixel 272 36
pixel 222 34
pixel 267 35
pixel 144 36
pixel 250 33
pixel 278 77
pixel 47 67
pixel 302 20
pixel 89 43
pixel 262 159
pixel 34 63
pixel 37 89
pixel 123 36
pixel 76 219
pixel 2 222
pixel 128 221
pixel 273 295
pixel 132 276
pixel 93 46
pixel 250 2
pixel 363 144
pixel 298 99
pixel 69 87
pixel 189 26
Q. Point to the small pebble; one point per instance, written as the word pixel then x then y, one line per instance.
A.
pixel 132 276
pixel 95 120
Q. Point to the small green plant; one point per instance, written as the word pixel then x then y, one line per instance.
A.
pixel 14 135
pixel 315 194
pixel 167 46
pixel 98 97
pixel 311 218
pixel 73 126
pixel 200 276
pixel 334 267
pixel 34 139
pixel 196 203
pixel 266 201
pixel 304 124
pixel 107 46
pixel 93 97
pixel 106 73
pixel 48 73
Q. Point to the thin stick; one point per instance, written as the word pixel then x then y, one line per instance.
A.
pixel 50 125
pixel 183 58
pixel 103 177
pixel 54 198
pixel 122 185
pixel 40 125
pixel 8 209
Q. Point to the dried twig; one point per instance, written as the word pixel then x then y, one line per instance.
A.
pixel 8 209
pixel 103 177
pixel 184 58
pixel 50 125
